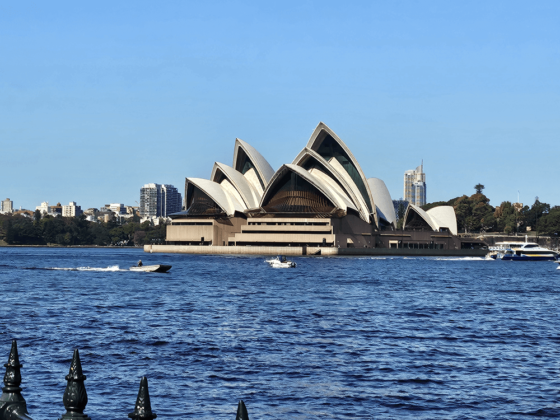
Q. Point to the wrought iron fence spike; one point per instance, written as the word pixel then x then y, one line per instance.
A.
pixel 75 395
pixel 143 408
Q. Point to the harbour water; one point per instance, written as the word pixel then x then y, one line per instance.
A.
pixel 335 338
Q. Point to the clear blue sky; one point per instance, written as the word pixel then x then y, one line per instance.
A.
pixel 99 98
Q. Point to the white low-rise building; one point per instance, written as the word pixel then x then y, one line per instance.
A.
pixel 43 208
pixel 117 208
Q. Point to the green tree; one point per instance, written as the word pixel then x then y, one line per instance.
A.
pixel 478 188
pixel 9 232
pixel 535 213
pixel 549 224
pixel 23 232
pixel 473 213
pixel 37 216
pixel 139 238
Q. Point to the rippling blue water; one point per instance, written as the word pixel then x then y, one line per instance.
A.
pixel 335 338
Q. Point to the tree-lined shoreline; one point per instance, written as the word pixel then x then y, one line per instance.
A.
pixel 475 214
pixel 77 231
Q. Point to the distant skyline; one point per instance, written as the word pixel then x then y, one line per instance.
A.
pixel 98 99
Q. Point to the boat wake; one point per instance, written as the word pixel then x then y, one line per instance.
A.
pixel 461 259
pixel 110 268
pixel 447 258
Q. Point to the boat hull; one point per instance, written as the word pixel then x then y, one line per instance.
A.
pixel 529 258
pixel 160 268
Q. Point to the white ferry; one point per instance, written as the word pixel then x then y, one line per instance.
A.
pixel 521 251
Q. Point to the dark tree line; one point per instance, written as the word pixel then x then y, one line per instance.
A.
pixel 21 230
pixel 475 214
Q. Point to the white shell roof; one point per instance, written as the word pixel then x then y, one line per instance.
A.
pixel 348 185
pixel 313 144
pixel 340 175
pixel 251 198
pixel 437 217
pixel 422 214
pixel 382 200
pixel 218 194
pixel 263 167
pixel 444 217
pixel 340 201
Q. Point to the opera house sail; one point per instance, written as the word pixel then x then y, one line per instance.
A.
pixel 321 203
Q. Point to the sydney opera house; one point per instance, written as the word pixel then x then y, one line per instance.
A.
pixel 321 203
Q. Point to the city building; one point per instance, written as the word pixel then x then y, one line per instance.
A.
pixel 415 186
pixel 116 208
pixel 91 211
pixel 71 210
pixel 7 206
pixel 25 213
pixel 322 202
pixel 55 210
pixel 131 210
pixel 159 200
pixel 43 208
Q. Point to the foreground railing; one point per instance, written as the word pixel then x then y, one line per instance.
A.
pixel 14 407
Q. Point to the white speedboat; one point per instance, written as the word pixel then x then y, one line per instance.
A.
pixel 281 262
pixel 160 268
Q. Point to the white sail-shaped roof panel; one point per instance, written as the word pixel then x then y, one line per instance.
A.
pixel 339 175
pixel 356 192
pixel 334 187
pixel 425 216
pixel 232 191
pixel 228 203
pixel 252 178
pixel 249 196
pixel 444 217
pixel 345 158
pixel 382 200
pixel 246 157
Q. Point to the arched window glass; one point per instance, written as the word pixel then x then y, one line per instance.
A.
pixel 200 204
pixel 293 194
pixel 415 221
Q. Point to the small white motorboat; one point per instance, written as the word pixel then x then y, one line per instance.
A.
pixel 160 268
pixel 281 262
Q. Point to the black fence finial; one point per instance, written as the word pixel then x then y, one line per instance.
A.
pixel 75 396
pixel 143 408
pixel 242 411
pixel 12 403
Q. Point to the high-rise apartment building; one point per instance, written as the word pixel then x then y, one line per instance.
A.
pixel 71 210
pixel 415 186
pixel 7 206
pixel 159 200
